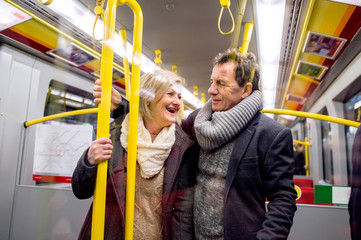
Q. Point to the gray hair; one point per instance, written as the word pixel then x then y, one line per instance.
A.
pixel 247 69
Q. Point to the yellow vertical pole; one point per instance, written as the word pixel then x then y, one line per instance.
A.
pixel 246 37
pixel 239 17
pixel 123 34
pixel 103 120
pixel 133 117
pixel 104 116
pixel 306 157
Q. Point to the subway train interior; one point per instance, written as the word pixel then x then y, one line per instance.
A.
pixel 309 55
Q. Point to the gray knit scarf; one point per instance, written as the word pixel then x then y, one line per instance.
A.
pixel 214 129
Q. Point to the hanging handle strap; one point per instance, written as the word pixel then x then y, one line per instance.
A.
pixel 225 4
pixel 99 12
pixel 47 2
pixel 174 69
pixel 158 60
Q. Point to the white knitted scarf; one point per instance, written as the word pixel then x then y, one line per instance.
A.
pixel 151 156
pixel 214 129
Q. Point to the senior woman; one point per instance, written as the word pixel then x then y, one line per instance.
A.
pixel 165 167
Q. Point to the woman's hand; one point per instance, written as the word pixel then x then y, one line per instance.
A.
pixel 115 99
pixel 100 150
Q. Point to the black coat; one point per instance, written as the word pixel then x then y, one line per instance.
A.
pixel 260 168
pixel 177 199
pixel 299 158
pixel 354 205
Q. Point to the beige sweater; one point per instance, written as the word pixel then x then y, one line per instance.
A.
pixel 148 207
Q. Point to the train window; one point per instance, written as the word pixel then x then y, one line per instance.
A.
pixel 64 98
pixel 327 158
pixel 352 110
pixel 59 143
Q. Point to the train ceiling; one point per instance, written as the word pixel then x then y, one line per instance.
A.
pixel 186 32
pixel 316 35
pixel 189 40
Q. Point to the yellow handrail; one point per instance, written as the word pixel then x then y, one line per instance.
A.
pixel 61 115
pixel 313 116
pixel 133 119
pixel 246 38
pixel 104 113
pixel 98 218
pixel 123 34
pixel 300 142
pixel 239 18
pixel 306 157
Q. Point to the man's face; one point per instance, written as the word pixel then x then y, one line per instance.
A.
pixel 224 89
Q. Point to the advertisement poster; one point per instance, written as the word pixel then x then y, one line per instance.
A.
pixel 311 70
pixel 323 45
pixel 11 16
pixel 71 54
pixel 296 99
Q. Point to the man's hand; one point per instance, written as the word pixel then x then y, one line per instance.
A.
pixel 115 99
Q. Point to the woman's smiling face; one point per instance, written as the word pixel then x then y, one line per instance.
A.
pixel 165 111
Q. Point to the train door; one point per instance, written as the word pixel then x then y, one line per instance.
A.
pixel 33 207
pixel 15 80
pixel 352 108
pixel 327 160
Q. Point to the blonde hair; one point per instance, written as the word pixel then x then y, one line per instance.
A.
pixel 152 88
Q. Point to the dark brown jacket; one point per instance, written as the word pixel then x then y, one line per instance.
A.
pixel 177 200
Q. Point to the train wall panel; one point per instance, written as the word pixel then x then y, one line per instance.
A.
pixel 43 73
pixel 24 83
pixel 320 222
pixel 315 150
pixel 15 83
pixel 338 144
pixel 47 214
